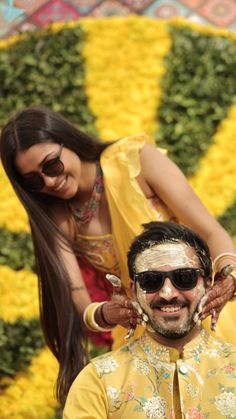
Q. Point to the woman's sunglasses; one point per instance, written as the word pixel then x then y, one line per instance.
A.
pixel 52 167
pixel 183 279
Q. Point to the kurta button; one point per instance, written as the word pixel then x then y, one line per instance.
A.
pixel 183 369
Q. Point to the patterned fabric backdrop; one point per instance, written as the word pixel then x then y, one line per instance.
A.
pixel 21 15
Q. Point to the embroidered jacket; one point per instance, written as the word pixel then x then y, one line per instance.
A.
pixel 147 380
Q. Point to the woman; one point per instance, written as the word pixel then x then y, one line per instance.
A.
pixel 86 201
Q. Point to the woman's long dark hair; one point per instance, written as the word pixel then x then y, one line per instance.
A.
pixel 62 327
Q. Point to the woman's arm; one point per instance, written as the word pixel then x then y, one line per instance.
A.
pixel 79 293
pixel 168 182
pixel 117 311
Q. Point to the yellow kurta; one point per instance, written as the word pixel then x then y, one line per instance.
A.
pixel 129 209
pixel 147 380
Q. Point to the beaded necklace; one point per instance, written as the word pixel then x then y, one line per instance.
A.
pixel 85 214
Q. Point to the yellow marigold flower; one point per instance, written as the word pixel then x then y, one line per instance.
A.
pixel 57 26
pixel 31 394
pixel 215 181
pixel 19 294
pixel 122 78
pixel 6 43
pixel 13 215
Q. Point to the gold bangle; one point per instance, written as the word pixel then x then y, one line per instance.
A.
pixel 228 255
pixel 89 318
pixel 86 315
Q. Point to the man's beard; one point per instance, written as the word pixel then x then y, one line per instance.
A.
pixel 181 330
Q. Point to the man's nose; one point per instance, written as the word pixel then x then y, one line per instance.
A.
pixel 168 291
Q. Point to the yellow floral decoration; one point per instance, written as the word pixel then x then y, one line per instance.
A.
pixel 13 216
pixel 123 72
pixel 30 395
pixel 19 294
pixel 215 181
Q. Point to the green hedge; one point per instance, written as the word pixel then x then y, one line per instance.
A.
pixel 19 342
pixel 198 88
pixel 16 250
pixel 46 68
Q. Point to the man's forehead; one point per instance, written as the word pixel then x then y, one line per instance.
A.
pixel 166 254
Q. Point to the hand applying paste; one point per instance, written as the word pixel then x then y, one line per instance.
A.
pixel 116 283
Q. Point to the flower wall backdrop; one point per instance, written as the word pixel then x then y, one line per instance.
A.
pixel 21 15
pixel 112 77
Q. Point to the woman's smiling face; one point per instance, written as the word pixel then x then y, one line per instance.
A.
pixel 64 185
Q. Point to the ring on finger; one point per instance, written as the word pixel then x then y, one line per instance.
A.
pixel 213 312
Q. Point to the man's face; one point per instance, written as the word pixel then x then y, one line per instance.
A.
pixel 170 310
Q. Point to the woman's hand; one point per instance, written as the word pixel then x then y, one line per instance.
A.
pixel 222 291
pixel 121 310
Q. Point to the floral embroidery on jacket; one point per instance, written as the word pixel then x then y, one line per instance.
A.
pixel 226 402
pixel 139 380
pixel 195 413
pixel 155 408
pixel 105 365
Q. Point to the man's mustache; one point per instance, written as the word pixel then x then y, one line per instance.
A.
pixel 161 302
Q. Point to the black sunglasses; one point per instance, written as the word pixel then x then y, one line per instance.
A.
pixel 183 279
pixel 52 167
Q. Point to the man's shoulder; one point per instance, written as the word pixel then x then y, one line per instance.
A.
pixel 110 361
pixel 220 346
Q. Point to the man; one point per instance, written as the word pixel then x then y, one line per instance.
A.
pixel 175 369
